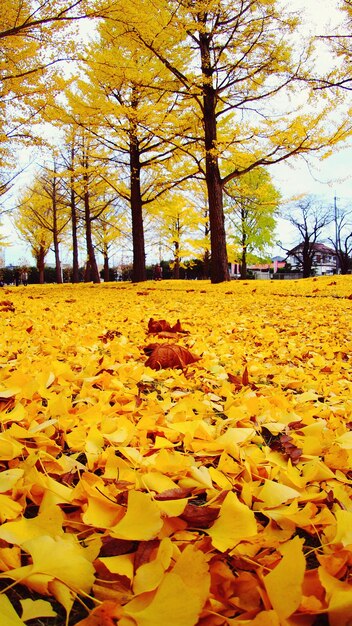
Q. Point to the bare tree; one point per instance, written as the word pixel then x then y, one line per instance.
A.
pixel 342 243
pixel 309 219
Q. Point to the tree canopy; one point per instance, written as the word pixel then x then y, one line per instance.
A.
pixel 168 92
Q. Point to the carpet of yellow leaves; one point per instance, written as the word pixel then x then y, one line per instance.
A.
pixel 218 494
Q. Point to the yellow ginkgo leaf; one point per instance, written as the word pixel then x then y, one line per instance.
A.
pixel 236 522
pixel 9 509
pixel 149 575
pixel 9 478
pixel 10 558
pixel 32 609
pixel 121 564
pixel 50 561
pixel 9 447
pixel 284 583
pixel 180 596
pixel 273 494
pixel 8 615
pixel 47 522
pixel 343 527
pixel 339 599
pixel 142 520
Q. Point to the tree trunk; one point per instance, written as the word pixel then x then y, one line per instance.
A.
pixel 139 270
pixel 176 268
pixel 307 258
pixel 93 271
pixel 58 271
pixel 243 246
pixel 74 224
pixel 244 264
pixel 343 261
pixel 206 264
pixel 40 258
pixel 206 255
pixel 106 267
pixel 92 263
pixel 219 271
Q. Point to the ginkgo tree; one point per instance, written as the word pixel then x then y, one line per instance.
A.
pixel 35 38
pixel 42 206
pixel 177 225
pixel 89 181
pixel 110 230
pixel 238 67
pixel 96 195
pixel 35 234
pixel 251 207
pixel 140 122
pixel 338 41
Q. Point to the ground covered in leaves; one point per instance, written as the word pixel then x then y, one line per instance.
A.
pixel 176 453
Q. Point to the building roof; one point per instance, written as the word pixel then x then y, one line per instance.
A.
pixel 317 247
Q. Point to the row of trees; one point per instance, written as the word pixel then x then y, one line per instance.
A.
pixel 79 207
pixel 171 103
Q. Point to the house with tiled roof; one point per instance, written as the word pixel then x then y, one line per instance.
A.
pixel 323 258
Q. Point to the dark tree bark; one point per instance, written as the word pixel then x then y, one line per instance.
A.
pixel 139 270
pixel 219 270
pixel 176 268
pixel 92 272
pixel 40 259
pixel 106 266
pixel 243 244
pixel 56 242
pixel 74 222
pixel 307 257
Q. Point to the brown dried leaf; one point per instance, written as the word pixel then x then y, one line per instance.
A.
pixel 199 516
pixel 148 350
pixel 162 327
pixel 158 326
pixel 115 547
pixel 144 552
pixel 172 356
pixel 174 494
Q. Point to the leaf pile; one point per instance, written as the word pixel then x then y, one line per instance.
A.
pixel 216 491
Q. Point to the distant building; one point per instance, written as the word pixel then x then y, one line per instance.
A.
pixel 274 265
pixel 324 259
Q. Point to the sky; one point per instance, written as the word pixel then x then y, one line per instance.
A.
pixel 325 178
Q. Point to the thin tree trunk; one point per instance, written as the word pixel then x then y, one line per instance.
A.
pixel 92 263
pixel 344 262
pixel 139 270
pixel 243 264
pixel 176 268
pixel 40 258
pixel 58 271
pixel 106 267
pixel 219 271
pixel 74 223
pixel 206 256
pixel 243 245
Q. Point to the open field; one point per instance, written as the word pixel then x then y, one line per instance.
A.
pixel 218 493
